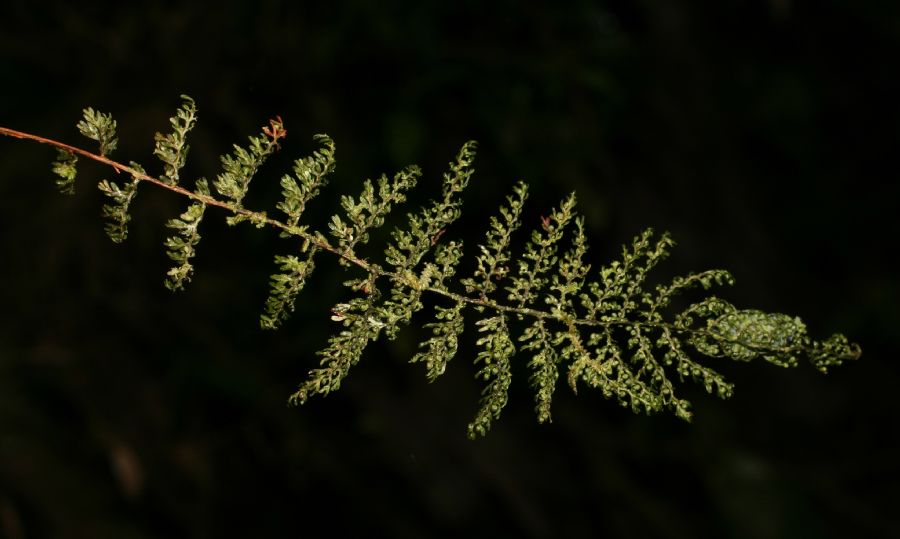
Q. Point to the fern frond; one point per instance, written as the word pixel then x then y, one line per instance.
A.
pixel 182 247
pixel 687 368
pixel 540 255
pixel 117 212
pixel 492 262
pixel 368 212
pixel 360 318
pixel 442 346
pixel 831 352
pixel 621 281
pixel 543 365
pixel 496 351
pixel 64 167
pixel 172 149
pixel 240 167
pixel 286 285
pixel 411 244
pixel 664 294
pixel 570 275
pixel 606 329
pixel 427 226
pixel 565 283
pixel 310 175
pixel 100 127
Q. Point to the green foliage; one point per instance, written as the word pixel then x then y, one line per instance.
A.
pixel 442 346
pixel 172 149
pixel 100 127
pixel 310 175
pixel 116 212
pixel 496 351
pixel 96 126
pixel 427 226
pixel 181 248
pixel 368 212
pixel 362 321
pixel 285 287
pixel 64 167
pixel 239 167
pixel 494 257
pixel 606 329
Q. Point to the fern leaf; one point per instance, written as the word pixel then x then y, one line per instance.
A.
pixel 655 390
pixel 540 255
pixel 117 212
pixel 492 262
pixel 406 292
pixel 100 127
pixel 664 294
pixel 285 287
pixel 712 381
pixel 744 335
pixel 570 275
pixel 240 167
pixel 497 349
pixel 182 247
pixel 444 342
pixel 543 365
pixel 310 175
pixel 172 149
pixel 369 211
pixel 345 349
pixel 64 167
pixel 426 227
pixel 620 281
pixel 832 351
pixel 442 346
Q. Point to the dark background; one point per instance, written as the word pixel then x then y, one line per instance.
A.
pixel 762 134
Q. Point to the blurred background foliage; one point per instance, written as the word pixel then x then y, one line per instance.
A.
pixel 762 134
